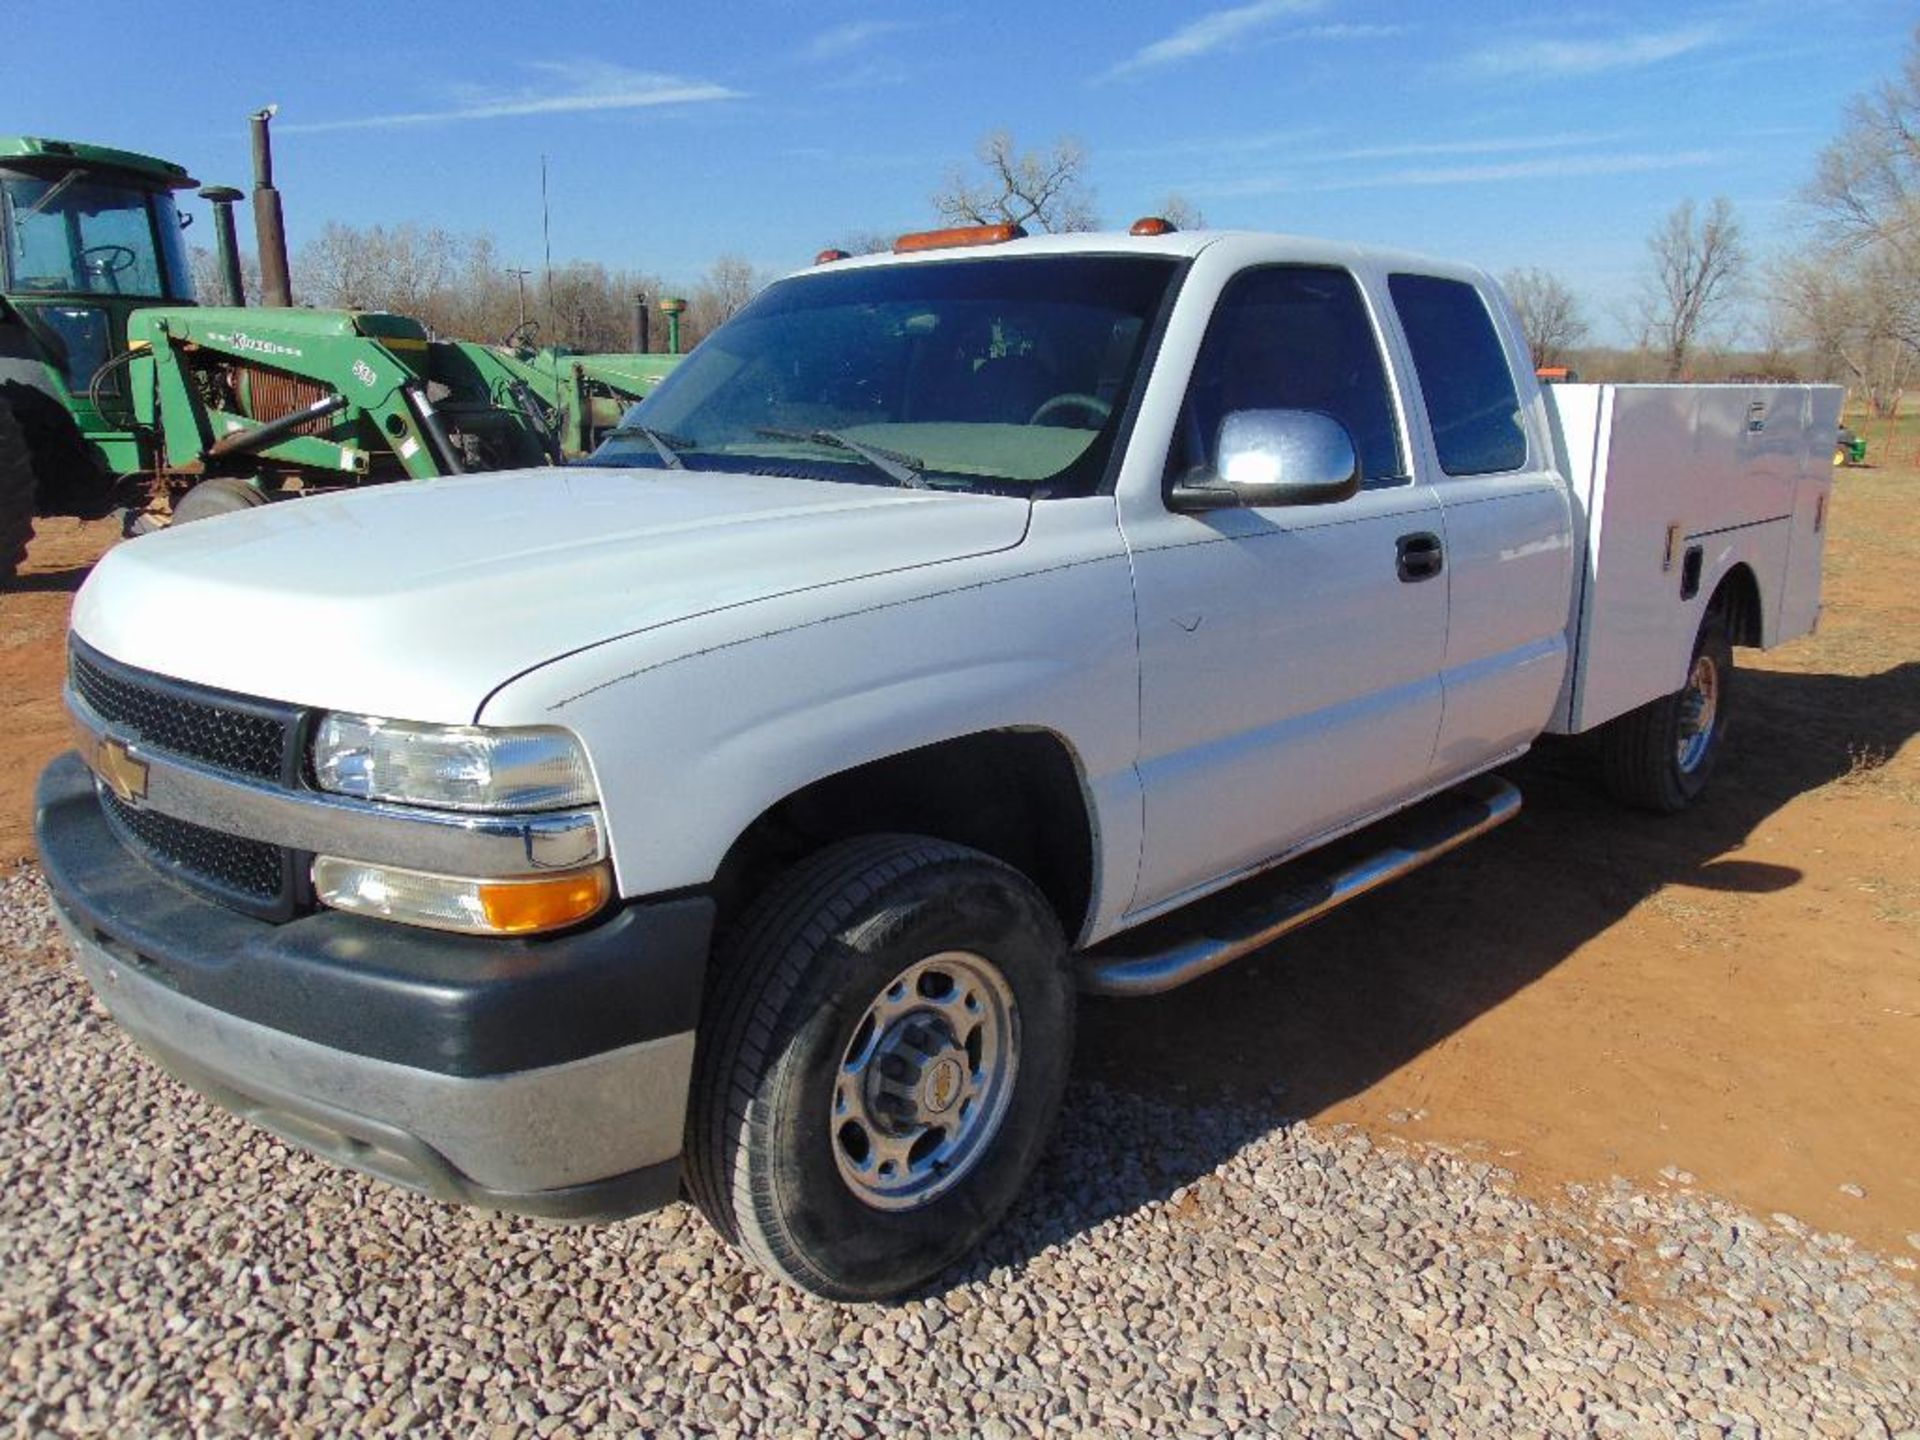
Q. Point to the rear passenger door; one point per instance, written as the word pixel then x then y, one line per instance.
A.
pixel 1507 515
pixel 1289 655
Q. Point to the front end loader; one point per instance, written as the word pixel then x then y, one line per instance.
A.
pixel 576 398
pixel 277 402
pixel 119 392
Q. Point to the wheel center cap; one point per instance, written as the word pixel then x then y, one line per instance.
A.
pixel 940 1085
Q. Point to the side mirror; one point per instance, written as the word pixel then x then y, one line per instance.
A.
pixel 1276 457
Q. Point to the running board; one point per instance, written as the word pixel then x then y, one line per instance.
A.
pixel 1307 889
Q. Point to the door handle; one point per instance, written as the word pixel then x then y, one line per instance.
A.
pixel 1419 557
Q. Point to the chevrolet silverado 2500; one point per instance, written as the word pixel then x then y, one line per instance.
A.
pixel 743 809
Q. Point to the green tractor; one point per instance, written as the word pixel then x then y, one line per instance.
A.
pixel 91 235
pixel 578 398
pixel 118 392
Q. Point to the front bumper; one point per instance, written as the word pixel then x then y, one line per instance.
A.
pixel 547 1077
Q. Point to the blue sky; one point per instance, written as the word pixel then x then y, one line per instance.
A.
pixel 1505 134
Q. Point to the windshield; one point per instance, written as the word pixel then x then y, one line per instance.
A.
pixel 74 235
pixel 1007 375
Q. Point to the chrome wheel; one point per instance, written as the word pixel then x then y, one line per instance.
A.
pixel 925 1080
pixel 1699 708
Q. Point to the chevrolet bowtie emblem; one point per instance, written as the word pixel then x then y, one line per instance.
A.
pixel 123 772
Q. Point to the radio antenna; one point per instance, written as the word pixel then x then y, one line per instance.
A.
pixel 546 240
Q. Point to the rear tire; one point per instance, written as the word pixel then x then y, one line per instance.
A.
pixel 885 1045
pixel 1660 756
pixel 17 494
pixel 222 495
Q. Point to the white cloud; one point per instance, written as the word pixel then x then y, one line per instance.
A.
pixel 1209 33
pixel 1549 167
pixel 841 40
pixel 1536 58
pixel 1540 167
pixel 1339 31
pixel 1214 147
pixel 571 87
pixel 1495 145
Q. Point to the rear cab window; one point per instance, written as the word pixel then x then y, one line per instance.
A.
pixel 1472 403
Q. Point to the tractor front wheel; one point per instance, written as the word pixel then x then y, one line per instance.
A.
pixel 222 495
pixel 17 494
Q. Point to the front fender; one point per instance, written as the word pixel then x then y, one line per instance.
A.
pixel 695 730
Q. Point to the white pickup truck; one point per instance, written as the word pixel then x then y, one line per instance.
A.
pixel 742 809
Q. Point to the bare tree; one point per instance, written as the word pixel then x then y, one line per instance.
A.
pixel 1047 189
pixel 460 286
pixel 210 284
pixel 730 282
pixel 592 309
pixel 1856 320
pixel 1855 296
pixel 1866 189
pixel 403 269
pixel 865 242
pixel 1549 314
pixel 1181 213
pixel 1695 267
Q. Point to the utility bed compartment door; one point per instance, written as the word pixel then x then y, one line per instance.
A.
pixel 1674 486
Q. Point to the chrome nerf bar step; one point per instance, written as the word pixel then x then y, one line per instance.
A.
pixel 1165 954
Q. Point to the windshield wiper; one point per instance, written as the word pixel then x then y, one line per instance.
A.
pixel 48 198
pixel 904 468
pixel 667 445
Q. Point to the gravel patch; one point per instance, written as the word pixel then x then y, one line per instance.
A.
pixel 1183 1269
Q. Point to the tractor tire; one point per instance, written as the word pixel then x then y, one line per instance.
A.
pixel 71 481
pixel 883 1051
pixel 222 495
pixel 17 494
pixel 1660 756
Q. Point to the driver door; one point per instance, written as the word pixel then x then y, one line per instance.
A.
pixel 1290 656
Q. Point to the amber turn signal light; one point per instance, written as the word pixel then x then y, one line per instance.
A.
pixel 525 905
pixel 522 907
pixel 957 235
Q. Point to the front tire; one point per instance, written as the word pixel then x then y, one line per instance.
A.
pixel 1660 756
pixel 885 1047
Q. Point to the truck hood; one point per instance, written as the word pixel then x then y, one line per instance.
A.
pixel 416 600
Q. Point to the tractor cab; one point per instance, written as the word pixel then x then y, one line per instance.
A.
pixel 88 234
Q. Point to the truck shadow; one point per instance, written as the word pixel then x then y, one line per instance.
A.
pixel 1323 1014
pixel 65 580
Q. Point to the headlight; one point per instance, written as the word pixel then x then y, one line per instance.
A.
pixel 523 906
pixel 451 767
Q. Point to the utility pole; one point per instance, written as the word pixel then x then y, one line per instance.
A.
pixel 520 283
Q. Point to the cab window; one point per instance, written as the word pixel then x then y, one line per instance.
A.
pixel 1471 401
pixel 76 235
pixel 1291 338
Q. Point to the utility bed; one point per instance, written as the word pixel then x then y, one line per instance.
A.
pixel 1672 481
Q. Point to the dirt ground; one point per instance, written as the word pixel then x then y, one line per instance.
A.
pixel 1732 995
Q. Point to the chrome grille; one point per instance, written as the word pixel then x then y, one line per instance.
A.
pixel 247 870
pixel 226 732
pixel 254 739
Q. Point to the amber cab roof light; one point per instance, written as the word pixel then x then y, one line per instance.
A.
pixel 827 257
pixel 1152 225
pixel 957 235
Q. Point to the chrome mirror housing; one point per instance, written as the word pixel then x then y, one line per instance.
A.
pixel 1276 457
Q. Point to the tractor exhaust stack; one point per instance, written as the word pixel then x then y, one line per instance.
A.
pixel 226 244
pixel 276 282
